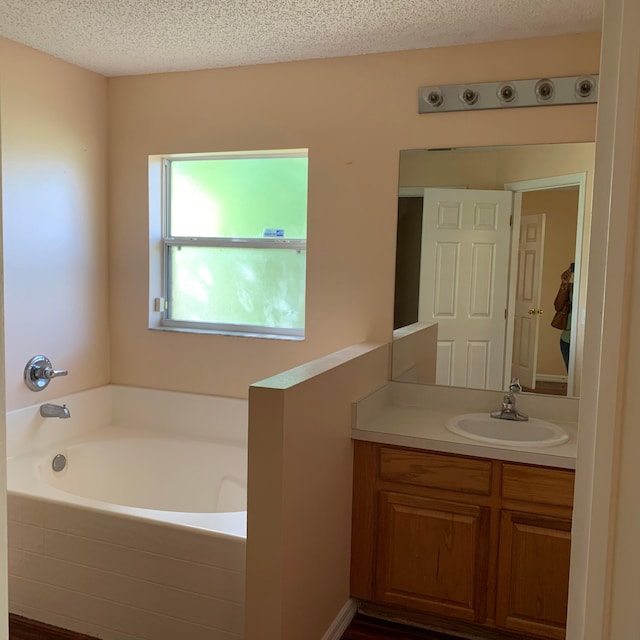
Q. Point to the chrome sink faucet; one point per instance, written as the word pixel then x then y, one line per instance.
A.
pixel 508 410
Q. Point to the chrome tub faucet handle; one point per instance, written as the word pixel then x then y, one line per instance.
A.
pixel 39 372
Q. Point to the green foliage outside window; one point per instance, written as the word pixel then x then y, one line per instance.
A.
pixel 260 200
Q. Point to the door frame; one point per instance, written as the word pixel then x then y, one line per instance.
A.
pixel 579 294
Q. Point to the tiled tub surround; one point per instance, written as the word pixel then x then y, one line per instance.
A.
pixel 124 572
pixel 412 415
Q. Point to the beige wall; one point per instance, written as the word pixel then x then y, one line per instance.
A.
pixel 300 476
pixel 354 114
pixel 4 595
pixel 54 172
pixel 561 209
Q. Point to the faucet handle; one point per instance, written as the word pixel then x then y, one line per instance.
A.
pixel 49 372
pixel 515 385
pixel 39 372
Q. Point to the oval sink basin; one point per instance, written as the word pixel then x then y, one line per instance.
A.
pixel 530 433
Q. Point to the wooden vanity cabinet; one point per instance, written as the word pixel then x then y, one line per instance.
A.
pixel 465 539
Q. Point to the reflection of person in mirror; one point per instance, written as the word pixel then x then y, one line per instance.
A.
pixel 562 305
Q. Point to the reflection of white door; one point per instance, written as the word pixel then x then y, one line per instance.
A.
pixel 463 282
pixel 527 306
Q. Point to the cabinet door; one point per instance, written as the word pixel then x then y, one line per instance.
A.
pixel 533 574
pixel 432 555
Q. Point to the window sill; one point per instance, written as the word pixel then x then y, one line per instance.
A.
pixel 232 334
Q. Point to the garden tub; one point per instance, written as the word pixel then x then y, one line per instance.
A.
pixel 127 532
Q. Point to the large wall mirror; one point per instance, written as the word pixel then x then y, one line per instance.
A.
pixel 485 238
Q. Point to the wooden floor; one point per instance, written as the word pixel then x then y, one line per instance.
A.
pixel 366 628
pixel 361 628
pixel 24 629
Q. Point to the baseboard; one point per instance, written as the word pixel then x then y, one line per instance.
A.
pixel 552 378
pixel 342 621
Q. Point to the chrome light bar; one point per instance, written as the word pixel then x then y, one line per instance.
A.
pixel 505 95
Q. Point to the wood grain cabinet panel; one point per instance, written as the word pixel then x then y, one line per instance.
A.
pixel 538 484
pixel 473 543
pixel 533 574
pixel 435 470
pixel 432 555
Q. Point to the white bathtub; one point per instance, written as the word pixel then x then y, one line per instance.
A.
pixel 142 535
pixel 142 474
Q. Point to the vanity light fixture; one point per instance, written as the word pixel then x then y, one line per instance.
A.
pixel 509 94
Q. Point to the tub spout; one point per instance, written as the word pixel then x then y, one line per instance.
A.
pixel 54 411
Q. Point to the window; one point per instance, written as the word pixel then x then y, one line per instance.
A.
pixel 232 243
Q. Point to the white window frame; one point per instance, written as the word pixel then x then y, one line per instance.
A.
pixel 160 243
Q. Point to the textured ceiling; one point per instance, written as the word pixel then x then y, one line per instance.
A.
pixel 124 37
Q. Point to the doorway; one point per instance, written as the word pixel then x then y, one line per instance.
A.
pixel 562 199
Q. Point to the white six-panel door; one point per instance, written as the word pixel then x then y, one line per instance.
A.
pixel 527 305
pixel 464 272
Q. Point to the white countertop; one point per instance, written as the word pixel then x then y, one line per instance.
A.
pixel 385 418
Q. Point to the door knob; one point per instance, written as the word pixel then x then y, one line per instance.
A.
pixel 534 312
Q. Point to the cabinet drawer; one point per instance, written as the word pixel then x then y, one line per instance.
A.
pixel 435 470
pixel 536 484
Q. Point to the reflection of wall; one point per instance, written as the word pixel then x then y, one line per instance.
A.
pixel 473 170
pixel 415 353
pixel 561 209
pixel 54 159
pixel 493 168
